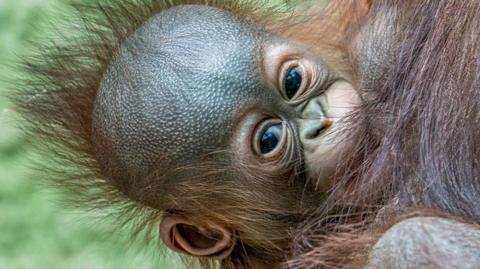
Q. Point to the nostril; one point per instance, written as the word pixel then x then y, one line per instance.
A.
pixel 313 132
pixel 320 130
pixel 313 129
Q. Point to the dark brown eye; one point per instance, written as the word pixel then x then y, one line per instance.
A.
pixel 270 138
pixel 293 82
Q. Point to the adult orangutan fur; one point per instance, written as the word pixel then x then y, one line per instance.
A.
pixel 417 142
pixel 415 64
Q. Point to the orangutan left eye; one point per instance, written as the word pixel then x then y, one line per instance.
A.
pixel 293 82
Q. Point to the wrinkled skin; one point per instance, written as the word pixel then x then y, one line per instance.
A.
pixel 195 84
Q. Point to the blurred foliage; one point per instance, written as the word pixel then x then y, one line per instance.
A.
pixel 36 231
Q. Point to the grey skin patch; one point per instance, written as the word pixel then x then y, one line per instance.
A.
pixel 173 92
pixel 427 242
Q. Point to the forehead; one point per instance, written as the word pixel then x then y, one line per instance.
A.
pixel 173 88
pixel 193 50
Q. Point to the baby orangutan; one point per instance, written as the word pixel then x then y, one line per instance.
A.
pixel 206 124
pixel 205 118
pixel 218 122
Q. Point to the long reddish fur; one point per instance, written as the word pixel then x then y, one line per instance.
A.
pixel 416 137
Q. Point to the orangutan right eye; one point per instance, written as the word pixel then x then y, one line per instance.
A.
pixel 269 138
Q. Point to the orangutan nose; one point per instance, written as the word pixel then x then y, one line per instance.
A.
pixel 314 121
pixel 312 129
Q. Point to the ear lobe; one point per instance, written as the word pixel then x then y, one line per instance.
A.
pixel 212 241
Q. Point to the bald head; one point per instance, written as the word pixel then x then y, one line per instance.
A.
pixel 171 92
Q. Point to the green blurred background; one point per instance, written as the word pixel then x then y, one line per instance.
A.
pixel 36 231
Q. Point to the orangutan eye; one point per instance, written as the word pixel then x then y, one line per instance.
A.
pixel 270 138
pixel 293 82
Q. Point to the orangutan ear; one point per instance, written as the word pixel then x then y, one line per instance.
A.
pixel 211 240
